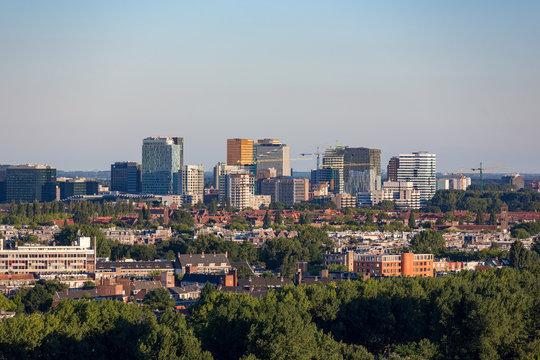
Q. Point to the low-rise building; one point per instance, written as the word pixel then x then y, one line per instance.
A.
pixel 79 258
pixel 406 264
pixel 203 263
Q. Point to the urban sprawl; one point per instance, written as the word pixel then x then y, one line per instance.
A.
pixel 161 225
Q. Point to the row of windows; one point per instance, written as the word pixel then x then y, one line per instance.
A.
pixel 42 256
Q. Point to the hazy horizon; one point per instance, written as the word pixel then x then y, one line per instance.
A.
pixel 84 83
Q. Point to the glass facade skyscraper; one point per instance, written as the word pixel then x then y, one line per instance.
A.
pixel 126 177
pixel 30 182
pixel 162 160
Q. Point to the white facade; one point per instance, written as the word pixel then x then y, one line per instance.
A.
pixel 240 190
pixel 221 171
pixel 402 193
pixel 79 258
pixel 192 183
pixel 419 168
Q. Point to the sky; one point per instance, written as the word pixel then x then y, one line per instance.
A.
pixel 82 83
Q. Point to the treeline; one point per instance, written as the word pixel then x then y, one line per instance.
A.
pixel 99 330
pixel 487 201
pixel 36 213
pixel 474 315
pixel 491 314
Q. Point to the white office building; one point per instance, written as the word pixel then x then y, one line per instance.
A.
pixel 419 168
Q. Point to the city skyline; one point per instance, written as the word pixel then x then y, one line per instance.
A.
pixel 84 84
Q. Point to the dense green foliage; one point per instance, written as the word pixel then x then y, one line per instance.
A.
pixel 525 230
pixel 284 253
pixel 481 315
pixel 43 213
pixel 491 314
pixel 158 299
pixel 98 330
pixel 450 200
pixel 428 242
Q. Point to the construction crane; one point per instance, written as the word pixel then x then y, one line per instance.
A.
pixel 461 176
pixel 482 170
pixel 317 154
pixel 347 165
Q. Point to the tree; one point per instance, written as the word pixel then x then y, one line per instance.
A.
pixel 428 241
pixel 182 217
pixel 479 218
pixel 266 221
pixel 212 207
pixel 159 299
pixel 278 219
pixel 243 272
pixel 519 255
pixel 305 218
pixel 493 218
pixel 412 220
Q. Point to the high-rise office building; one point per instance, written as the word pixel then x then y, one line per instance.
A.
pixel 419 168
pixel 239 151
pixel 192 183
pixel 361 168
pixel 391 169
pixel 126 177
pixel 30 182
pixel 270 153
pixel 162 158
pixel 286 190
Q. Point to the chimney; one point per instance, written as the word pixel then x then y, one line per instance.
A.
pixel 226 254
pixel 202 255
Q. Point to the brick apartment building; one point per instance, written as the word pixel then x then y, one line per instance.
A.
pixel 406 264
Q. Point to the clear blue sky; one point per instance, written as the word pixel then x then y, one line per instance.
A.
pixel 82 83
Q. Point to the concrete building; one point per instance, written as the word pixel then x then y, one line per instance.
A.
pixel 402 193
pixel 341 259
pixel 515 180
pixel 239 151
pixel 79 258
pixel 30 182
pixel 240 189
pixel 126 177
pixel 286 190
pixel 344 200
pixel 192 184
pixel 453 183
pixel 221 171
pixel 420 169
pixel 330 175
pixel 162 158
pixel 361 168
pixel 392 168
pixel 270 153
